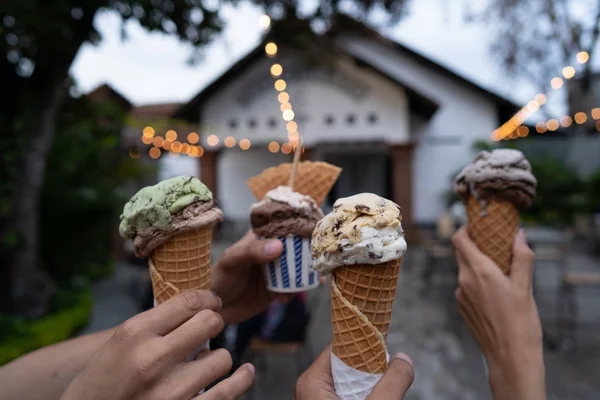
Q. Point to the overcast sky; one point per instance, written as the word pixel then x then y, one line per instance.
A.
pixel 151 67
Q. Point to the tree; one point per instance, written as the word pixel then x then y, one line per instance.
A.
pixel 38 41
pixel 535 39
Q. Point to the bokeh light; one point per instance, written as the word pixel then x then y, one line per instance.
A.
pixel 171 135
pixel 283 97
pixel 200 151
pixel 167 144
pixel 566 121
pixel 133 153
pixel 596 113
pixel 293 136
pixel 193 137
pixel 271 49
pixel 185 147
pixel 280 85
pixel 276 69
pixel 154 152
pixel 173 154
pixel 147 140
pixel 582 57
pixel 285 106
pixel 556 83
pixel 286 148
pixel 176 147
pixel 288 115
pixel 244 144
pixel 522 131
pixel 580 117
pixel 291 126
pixel 533 106
pixel 540 127
pixel 568 72
pixel 273 147
pixel 540 98
pixel 598 126
pixel 229 141
pixel 264 21
pixel 148 132
pixel 212 140
pixel 552 124
pixel 158 141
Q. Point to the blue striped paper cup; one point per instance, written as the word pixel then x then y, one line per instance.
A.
pixel 292 272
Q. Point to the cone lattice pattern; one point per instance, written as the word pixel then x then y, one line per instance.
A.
pixel 314 179
pixel 494 230
pixel 361 308
pixel 182 263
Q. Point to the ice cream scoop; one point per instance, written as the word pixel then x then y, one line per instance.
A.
pixel 361 229
pixel 502 174
pixel 157 213
pixel 284 212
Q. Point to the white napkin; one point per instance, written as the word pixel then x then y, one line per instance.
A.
pixel 350 383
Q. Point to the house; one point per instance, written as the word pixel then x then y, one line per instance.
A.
pixel 398 123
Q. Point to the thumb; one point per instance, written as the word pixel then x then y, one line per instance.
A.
pixel 250 250
pixel 521 269
pixel 396 380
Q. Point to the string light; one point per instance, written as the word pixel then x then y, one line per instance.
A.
pixel 193 138
pixel 280 85
pixel 158 141
pixel 566 121
pixel 167 145
pixel 556 83
pixel 271 49
pixel 595 113
pixel 244 144
pixel 291 126
pixel 582 57
pixel 283 97
pixel 229 141
pixel 273 147
pixel 185 148
pixel 598 125
pixel 176 147
pixel 580 117
pixel 568 72
pixel 288 115
pixel 533 106
pixel 171 135
pixel 148 132
pixel 540 98
pixel 552 124
pixel 147 140
pixel 541 127
pixel 276 70
pixel 212 140
pixel 293 136
pixel 154 152
pixel 286 148
pixel 264 21
pixel 522 131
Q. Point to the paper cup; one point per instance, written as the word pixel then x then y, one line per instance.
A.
pixel 292 272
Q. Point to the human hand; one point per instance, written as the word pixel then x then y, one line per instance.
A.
pixel 501 313
pixel 316 383
pixel 145 358
pixel 237 277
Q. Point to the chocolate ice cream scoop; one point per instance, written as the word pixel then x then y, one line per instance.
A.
pixel 502 174
pixel 283 212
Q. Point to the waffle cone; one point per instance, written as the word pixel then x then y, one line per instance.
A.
pixel 493 231
pixel 361 309
pixel 313 178
pixel 182 263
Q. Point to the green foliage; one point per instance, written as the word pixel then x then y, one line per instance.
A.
pixel 80 200
pixel 70 312
pixel 561 193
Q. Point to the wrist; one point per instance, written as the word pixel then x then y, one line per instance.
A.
pixel 518 376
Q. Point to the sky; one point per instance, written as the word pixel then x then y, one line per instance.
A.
pixel 151 68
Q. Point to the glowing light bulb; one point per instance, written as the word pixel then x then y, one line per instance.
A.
pixel 533 106
pixel 264 21
pixel 229 141
pixel 285 106
pixel 273 147
pixel 271 49
pixel 148 132
pixel 293 136
pixel 200 151
pixel 552 125
pixel 540 127
pixel 582 57
pixel 176 147
pixel 580 117
pixel 280 85
pixel 286 148
pixel 288 115
pixel 596 113
pixel 185 148
pixel 276 69
pixel 566 121
pixel 283 97
pixel 158 141
pixel 212 140
pixel 244 144
pixel 167 144
pixel 154 152
pixel 291 126
pixel 193 137
pixel 568 72
pixel 147 140
pixel 171 135
pixel 540 98
pixel 522 131
pixel 556 83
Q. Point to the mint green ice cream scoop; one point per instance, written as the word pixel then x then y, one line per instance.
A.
pixel 153 206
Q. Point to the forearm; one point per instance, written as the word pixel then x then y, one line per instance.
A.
pixel 46 373
pixel 523 379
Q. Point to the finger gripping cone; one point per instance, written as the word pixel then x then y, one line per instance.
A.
pixel 182 263
pixel 493 230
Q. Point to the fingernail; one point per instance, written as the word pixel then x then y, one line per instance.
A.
pixel 272 248
pixel 220 306
pixel 404 357
pixel 521 236
pixel 250 368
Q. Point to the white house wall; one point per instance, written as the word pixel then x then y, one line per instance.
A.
pixel 463 117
